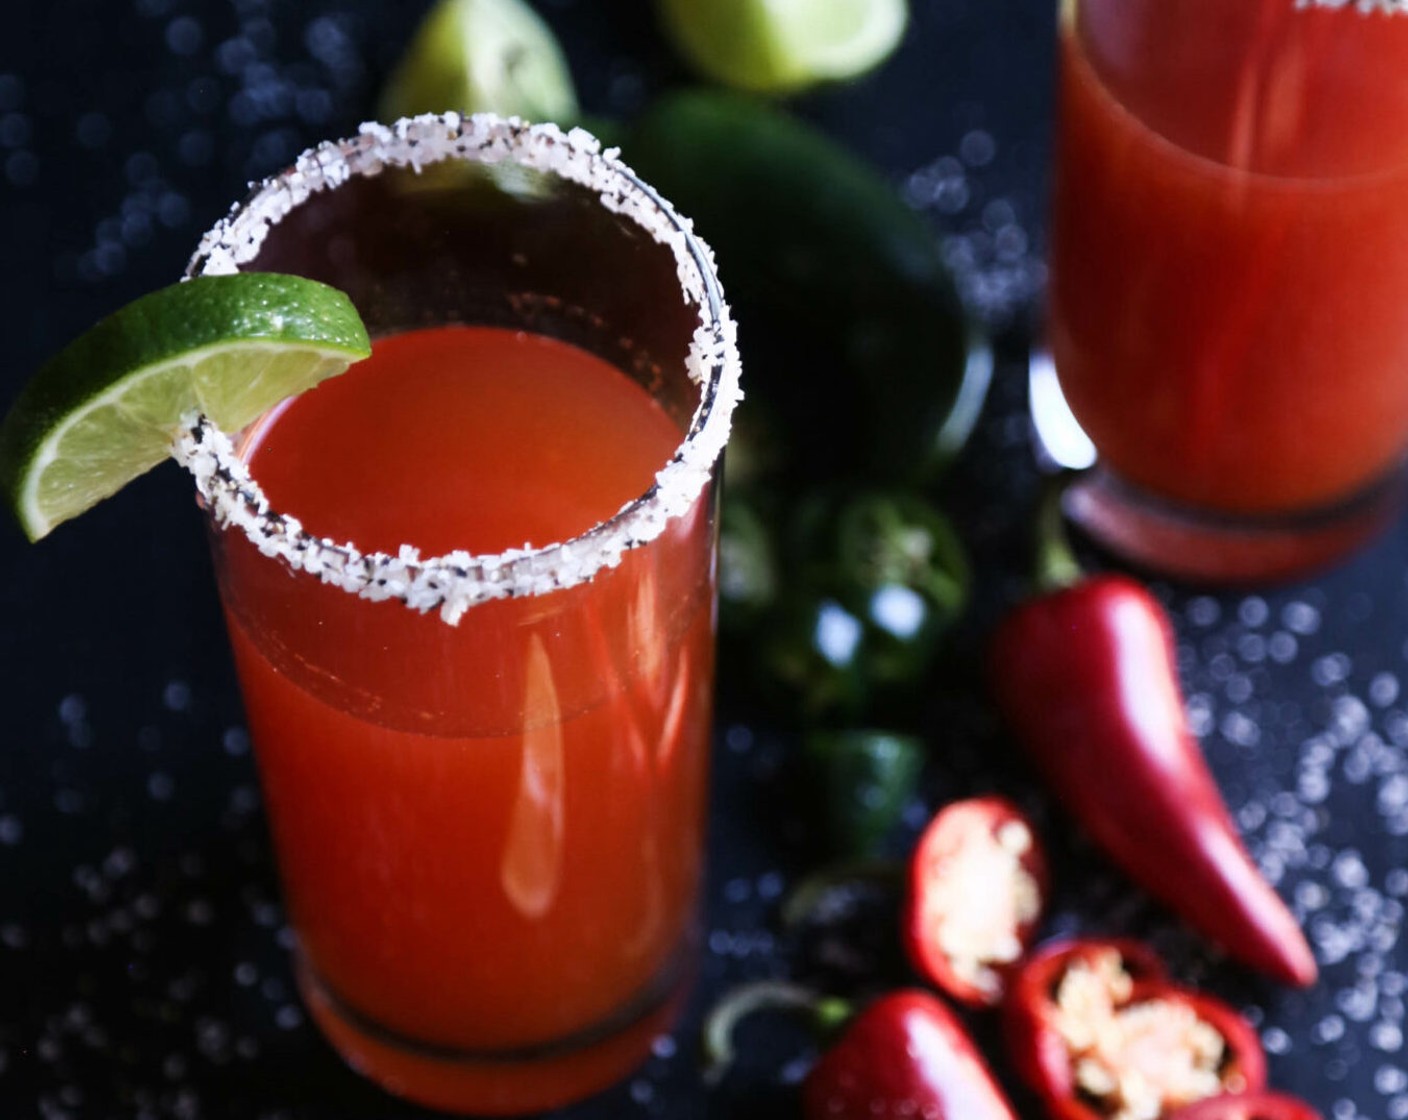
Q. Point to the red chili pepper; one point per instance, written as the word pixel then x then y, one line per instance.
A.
pixel 1249 1106
pixel 977 886
pixel 1086 676
pixel 906 1055
pixel 1037 1053
pixel 1098 1030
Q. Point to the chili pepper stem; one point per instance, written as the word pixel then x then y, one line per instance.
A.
pixel 825 1014
pixel 1056 566
pixel 831 1014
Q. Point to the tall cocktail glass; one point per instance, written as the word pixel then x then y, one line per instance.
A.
pixel 1228 271
pixel 486 769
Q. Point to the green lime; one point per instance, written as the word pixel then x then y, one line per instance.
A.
pixel 781 46
pixel 106 408
pixel 853 335
pixel 482 56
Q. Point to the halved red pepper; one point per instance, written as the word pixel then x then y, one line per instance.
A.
pixel 1249 1106
pixel 1037 1053
pixel 977 886
pixel 1098 1030
pixel 1086 676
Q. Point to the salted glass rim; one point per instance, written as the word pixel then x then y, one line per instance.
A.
pixel 458 580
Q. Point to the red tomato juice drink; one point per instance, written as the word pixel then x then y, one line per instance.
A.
pixel 1230 257
pixel 470 593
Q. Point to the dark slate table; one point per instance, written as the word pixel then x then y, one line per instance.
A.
pixel 142 946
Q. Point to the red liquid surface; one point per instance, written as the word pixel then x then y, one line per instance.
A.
pixel 1230 247
pixel 489 835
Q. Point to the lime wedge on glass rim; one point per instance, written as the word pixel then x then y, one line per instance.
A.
pixel 783 46
pixel 107 407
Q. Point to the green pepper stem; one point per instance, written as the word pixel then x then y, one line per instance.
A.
pixel 825 1013
pixel 831 1014
pixel 1056 563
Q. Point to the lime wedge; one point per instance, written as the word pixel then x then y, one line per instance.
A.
pixel 782 46
pixel 482 56
pixel 106 408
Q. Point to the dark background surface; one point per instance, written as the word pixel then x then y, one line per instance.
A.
pixel 142 948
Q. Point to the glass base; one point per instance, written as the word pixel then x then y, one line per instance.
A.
pixel 500 1083
pixel 1187 543
pixel 1197 546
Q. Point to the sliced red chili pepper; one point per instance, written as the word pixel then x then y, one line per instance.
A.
pixel 1086 676
pixel 906 1055
pixel 1097 1029
pixel 1037 1052
pixel 977 886
pixel 1249 1106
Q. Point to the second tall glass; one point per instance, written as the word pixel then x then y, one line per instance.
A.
pixel 1228 275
